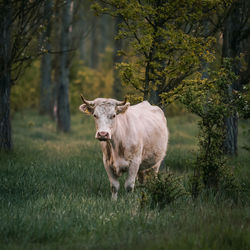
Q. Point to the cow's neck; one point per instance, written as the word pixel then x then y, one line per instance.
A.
pixel 115 149
pixel 119 135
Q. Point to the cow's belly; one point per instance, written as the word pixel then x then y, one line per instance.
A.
pixel 151 155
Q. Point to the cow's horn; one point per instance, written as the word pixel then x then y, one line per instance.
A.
pixel 88 103
pixel 122 102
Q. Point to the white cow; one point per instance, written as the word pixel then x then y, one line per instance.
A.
pixel 133 138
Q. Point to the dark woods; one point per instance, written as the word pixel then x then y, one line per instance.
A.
pixel 143 49
pixel 19 23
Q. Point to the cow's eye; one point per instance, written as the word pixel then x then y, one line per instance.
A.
pixel 95 116
pixel 113 116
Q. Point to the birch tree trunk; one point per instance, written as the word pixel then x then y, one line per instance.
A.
pixel 5 77
pixel 63 111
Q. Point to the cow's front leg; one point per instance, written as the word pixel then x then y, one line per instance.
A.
pixel 114 183
pixel 132 173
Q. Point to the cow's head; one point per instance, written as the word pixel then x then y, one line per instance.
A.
pixel 105 112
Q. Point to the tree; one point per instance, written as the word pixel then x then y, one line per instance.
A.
pixel 5 76
pixel 63 111
pixel 104 31
pixel 19 22
pixel 94 53
pixel 235 30
pixel 71 32
pixel 117 58
pixel 46 101
pixel 86 26
pixel 166 39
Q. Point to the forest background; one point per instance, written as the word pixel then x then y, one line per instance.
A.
pixel 190 57
pixel 145 50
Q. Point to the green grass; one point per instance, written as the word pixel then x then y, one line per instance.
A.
pixel 54 194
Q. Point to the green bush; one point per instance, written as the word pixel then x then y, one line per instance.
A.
pixel 92 83
pixel 159 191
pixel 212 99
pixel 26 91
pixel 227 185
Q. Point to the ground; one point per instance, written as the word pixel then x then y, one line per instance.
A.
pixel 54 194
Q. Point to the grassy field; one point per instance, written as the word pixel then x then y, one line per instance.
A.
pixel 54 194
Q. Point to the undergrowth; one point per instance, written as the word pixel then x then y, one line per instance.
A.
pixel 54 194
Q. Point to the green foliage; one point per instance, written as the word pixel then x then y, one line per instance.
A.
pixel 89 82
pixel 25 93
pixel 212 100
pixel 243 101
pixel 92 83
pixel 166 38
pixel 175 109
pixel 195 184
pixel 229 184
pixel 160 191
pixel 247 146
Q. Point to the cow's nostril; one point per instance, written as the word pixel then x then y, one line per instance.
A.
pixel 103 134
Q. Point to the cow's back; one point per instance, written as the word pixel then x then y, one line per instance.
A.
pixel 147 119
pixel 150 130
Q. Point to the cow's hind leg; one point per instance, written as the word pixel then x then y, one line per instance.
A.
pixel 156 167
pixel 148 173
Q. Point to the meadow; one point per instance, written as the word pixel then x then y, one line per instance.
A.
pixel 54 194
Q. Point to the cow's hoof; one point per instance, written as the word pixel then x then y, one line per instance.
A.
pixel 129 189
pixel 114 197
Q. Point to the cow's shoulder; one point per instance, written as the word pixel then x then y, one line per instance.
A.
pixel 146 107
pixel 144 104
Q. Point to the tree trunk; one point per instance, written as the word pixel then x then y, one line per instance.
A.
pixel 94 56
pixel 156 89
pixel 5 77
pixel 154 97
pixel 104 25
pixel 63 111
pixel 231 49
pixel 230 144
pixel 46 103
pixel 55 84
pixel 117 85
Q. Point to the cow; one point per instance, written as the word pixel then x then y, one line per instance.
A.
pixel 133 139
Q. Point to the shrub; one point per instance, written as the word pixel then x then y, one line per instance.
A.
pixel 159 191
pixel 212 100
pixel 26 92
pixel 92 83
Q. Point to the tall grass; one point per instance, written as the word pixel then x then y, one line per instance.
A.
pixel 54 194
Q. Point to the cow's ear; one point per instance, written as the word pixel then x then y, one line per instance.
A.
pixel 122 109
pixel 86 109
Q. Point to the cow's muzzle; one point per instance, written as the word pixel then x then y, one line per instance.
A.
pixel 102 136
